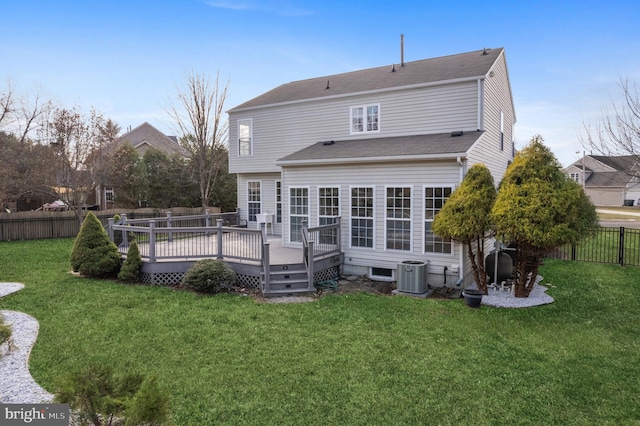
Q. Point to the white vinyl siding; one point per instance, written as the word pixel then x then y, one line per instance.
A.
pixel 281 130
pixel 398 218
pixel 298 212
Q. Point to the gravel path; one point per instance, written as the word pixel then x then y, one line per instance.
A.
pixel 16 384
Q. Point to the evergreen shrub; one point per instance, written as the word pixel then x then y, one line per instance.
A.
pixel 209 276
pixel 130 271
pixel 93 254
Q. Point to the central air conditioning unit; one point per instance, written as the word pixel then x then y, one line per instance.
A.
pixel 412 277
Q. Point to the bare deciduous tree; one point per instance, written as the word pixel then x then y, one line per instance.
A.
pixel 617 133
pixel 200 118
pixel 22 115
pixel 76 139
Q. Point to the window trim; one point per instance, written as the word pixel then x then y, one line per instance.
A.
pixel 240 122
pixel 424 220
pixel 318 202
pixel 410 220
pixel 373 216
pixel 289 205
pixel 364 119
pixel 109 194
pixel 259 182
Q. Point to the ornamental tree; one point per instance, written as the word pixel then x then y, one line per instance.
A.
pixel 538 208
pixel 465 218
pixel 93 253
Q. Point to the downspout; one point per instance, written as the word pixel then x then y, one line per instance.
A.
pixel 461 268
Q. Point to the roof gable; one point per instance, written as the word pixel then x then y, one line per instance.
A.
pixel 146 136
pixel 427 71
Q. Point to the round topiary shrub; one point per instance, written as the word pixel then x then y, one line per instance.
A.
pixel 93 254
pixel 209 276
pixel 130 271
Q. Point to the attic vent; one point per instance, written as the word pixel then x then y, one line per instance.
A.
pixel 326 143
pixel 484 51
pixel 456 134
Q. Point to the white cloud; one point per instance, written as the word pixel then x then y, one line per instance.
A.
pixel 282 8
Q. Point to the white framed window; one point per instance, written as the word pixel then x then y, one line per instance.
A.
pixel 434 199
pixel 365 118
pixel 245 137
pixel 501 130
pixel 575 176
pixel 109 195
pixel 328 205
pixel 278 201
pixel 362 214
pixel 298 212
pixel 398 218
pixel 254 199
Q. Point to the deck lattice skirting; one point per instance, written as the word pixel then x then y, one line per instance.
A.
pixel 169 246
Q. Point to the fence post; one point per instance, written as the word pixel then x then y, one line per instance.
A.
pixel 169 225
pixel 219 226
pixel 125 234
pixel 152 241
pixel 110 228
pixel 207 218
pixel 621 247
pixel 573 252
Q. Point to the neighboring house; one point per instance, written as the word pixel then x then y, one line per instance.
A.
pixel 382 148
pixel 608 180
pixel 142 138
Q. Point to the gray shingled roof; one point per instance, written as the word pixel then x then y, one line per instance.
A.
pixel 382 148
pixel 154 137
pixel 461 66
pixel 610 179
pixel 620 163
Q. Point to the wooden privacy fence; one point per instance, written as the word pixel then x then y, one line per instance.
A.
pixel 36 225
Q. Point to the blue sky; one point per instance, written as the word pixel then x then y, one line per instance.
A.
pixel 128 58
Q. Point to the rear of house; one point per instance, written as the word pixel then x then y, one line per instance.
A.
pixel 382 148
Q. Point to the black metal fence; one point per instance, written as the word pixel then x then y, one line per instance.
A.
pixel 604 245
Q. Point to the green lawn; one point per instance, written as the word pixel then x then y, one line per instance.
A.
pixel 350 359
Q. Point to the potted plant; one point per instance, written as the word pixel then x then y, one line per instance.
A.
pixel 472 297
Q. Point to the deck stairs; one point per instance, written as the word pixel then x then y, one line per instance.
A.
pixel 287 280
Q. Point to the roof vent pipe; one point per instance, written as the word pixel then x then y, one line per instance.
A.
pixel 327 85
pixel 402 50
pixel 393 68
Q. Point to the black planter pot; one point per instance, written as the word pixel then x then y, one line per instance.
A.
pixel 472 298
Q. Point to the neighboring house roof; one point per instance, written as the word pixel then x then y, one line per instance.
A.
pixel 607 171
pixel 619 163
pixel 610 179
pixel 463 66
pixel 146 136
pixel 433 146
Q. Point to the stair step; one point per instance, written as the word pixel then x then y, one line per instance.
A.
pixel 287 292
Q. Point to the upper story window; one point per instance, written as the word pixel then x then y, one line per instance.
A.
pixel 575 176
pixel 365 119
pixel 245 137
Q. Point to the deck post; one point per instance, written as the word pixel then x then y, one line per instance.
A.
pixel 338 236
pixel 110 228
pixel 219 233
pixel 310 267
pixel 169 225
pixel 152 241
pixel 125 234
pixel 266 267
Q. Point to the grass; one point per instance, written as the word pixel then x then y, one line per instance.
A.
pixel 345 359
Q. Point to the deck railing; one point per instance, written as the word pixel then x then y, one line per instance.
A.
pixel 160 239
pixel 319 243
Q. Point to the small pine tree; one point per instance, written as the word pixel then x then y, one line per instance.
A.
pixel 93 254
pixel 465 217
pixel 150 404
pixel 130 271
